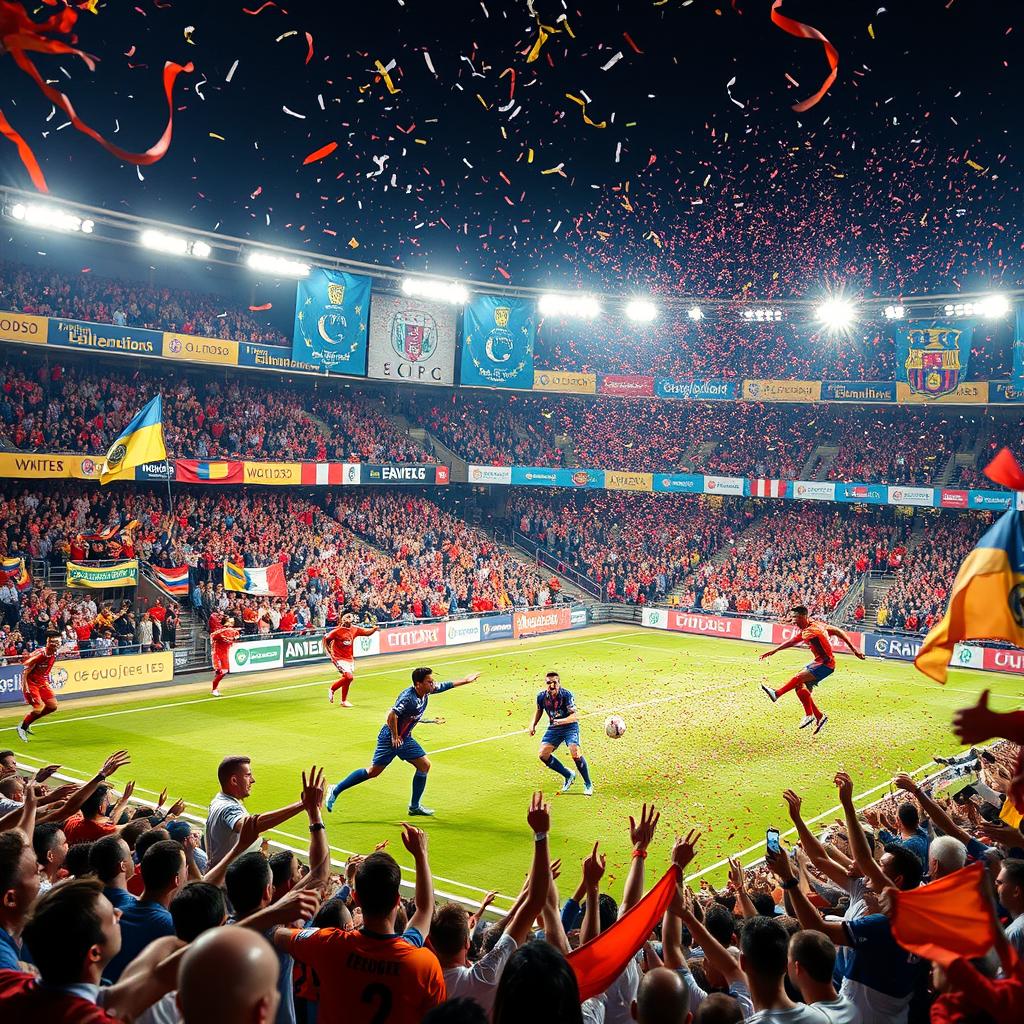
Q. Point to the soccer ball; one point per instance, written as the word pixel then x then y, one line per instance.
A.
pixel 615 726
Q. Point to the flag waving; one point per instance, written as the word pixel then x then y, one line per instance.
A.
pixel 987 599
pixel 141 441
pixel 265 582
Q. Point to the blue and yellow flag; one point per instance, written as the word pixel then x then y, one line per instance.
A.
pixel 987 599
pixel 141 441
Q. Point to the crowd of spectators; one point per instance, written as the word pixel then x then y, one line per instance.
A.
pixel 115 908
pixel 68 408
pixel 127 303
pixel 631 547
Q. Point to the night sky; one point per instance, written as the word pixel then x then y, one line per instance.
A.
pixel 905 176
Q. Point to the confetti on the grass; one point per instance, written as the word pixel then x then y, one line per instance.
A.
pixel 319 154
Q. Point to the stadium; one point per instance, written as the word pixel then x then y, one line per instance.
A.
pixel 667 405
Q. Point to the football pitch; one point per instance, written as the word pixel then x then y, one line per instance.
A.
pixel 702 741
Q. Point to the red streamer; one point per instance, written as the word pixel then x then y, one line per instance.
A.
pixel 1004 469
pixel 19 35
pixel 319 154
pixel 802 31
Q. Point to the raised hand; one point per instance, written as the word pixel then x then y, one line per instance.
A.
pixel 845 786
pixel 44 773
pixel 641 834
pixel 780 864
pixel 248 831
pixel 313 788
pixel 906 783
pixel 538 817
pixel 380 846
pixel 593 868
pixel 414 839
pixel 298 905
pixel 162 798
pixel 685 849
pixel 178 807
pixel 973 725
pixel 556 869
pixel 736 876
pixel 116 760
pixel 794 802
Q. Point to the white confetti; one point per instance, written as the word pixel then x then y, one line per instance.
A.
pixel 301 117
pixel 138 171
pixel 554 230
pixel 615 60
pixel 430 63
pixel 231 73
pixel 618 151
pixel 320 100
pixel 199 92
pixel 728 90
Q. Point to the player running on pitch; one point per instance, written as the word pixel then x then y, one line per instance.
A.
pixel 816 635
pixel 222 640
pixel 35 683
pixel 338 647
pixel 395 738
pixel 563 727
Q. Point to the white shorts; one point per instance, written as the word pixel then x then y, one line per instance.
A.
pixel 345 666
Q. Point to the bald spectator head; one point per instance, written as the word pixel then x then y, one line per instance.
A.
pixel 662 998
pixel 228 976
pixel 718 1008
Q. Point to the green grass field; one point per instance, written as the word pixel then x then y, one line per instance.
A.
pixel 702 741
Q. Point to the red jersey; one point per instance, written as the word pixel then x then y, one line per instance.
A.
pixel 338 643
pixel 223 638
pixel 816 637
pixel 22 997
pixel 38 664
pixel 362 977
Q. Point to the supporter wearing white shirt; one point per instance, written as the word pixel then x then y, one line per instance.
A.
pixel 812 959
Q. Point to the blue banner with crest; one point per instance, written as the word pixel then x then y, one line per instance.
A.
pixel 498 335
pixel 332 310
pixel 933 360
pixel 1018 352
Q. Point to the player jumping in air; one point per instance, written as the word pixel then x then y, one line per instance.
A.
pixel 395 738
pixel 338 647
pixel 816 635
pixel 563 727
pixel 35 684
pixel 222 640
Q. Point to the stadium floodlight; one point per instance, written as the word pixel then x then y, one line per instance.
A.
pixel 201 250
pixel 443 291
pixel 695 313
pixel 176 245
pixel 836 314
pixel 279 266
pixel 761 315
pixel 641 311
pixel 992 307
pixel 894 312
pixel 585 306
pixel 52 218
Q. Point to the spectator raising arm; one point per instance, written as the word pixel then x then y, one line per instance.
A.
pixel 831 863
pixel 805 912
pixel 862 854
pixel 416 841
pixel 319 850
pixel 593 872
pixel 640 835
pixel 116 760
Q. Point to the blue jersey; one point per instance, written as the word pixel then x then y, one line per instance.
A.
pixel 557 707
pixel 410 708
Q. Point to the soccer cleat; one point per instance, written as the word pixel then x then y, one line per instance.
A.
pixel 330 695
pixel 771 694
pixel 947 761
pixel 347 704
pixel 215 693
pixel 808 720
pixel 419 809
pixel 567 785
pixel 23 733
pixel 821 724
pixel 588 790
pixel 329 804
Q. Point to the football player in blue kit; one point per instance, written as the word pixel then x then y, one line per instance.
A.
pixel 563 727
pixel 395 738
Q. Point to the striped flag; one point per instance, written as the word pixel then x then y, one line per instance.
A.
pixel 267 581
pixel 320 474
pixel 764 488
pixel 13 569
pixel 173 580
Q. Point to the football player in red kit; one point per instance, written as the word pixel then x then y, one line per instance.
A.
pixel 35 683
pixel 222 639
pixel 338 647
pixel 817 637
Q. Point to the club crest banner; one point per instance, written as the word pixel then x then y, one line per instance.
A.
pixel 1018 352
pixel 411 340
pixel 933 361
pixel 498 335
pixel 331 312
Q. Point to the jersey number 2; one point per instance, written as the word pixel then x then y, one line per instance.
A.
pixel 370 994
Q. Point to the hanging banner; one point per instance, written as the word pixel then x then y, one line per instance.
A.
pixel 723 484
pixel 1018 353
pixel 614 480
pixel 971 393
pixel 24 328
pixel 626 385
pixel 931 362
pixel 782 390
pixel 51 466
pixel 866 494
pixel 135 341
pixel 696 390
pixel 195 349
pixel 814 490
pixel 269 357
pixel 197 471
pixel 921 497
pixel 331 312
pixel 279 473
pixel 858 391
pixel 411 340
pixel 566 382
pixel 679 483
pixel 1008 390
pixel 490 474
pixel 98 577
pixel 403 473
pixel 541 476
pixel 498 337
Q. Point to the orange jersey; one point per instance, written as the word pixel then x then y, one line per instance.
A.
pixel 338 643
pixel 223 638
pixel 38 666
pixel 816 637
pixel 362 977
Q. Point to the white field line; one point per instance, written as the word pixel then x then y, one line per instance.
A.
pixel 260 691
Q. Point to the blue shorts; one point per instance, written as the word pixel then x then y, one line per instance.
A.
pixel 557 735
pixel 819 671
pixel 386 753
